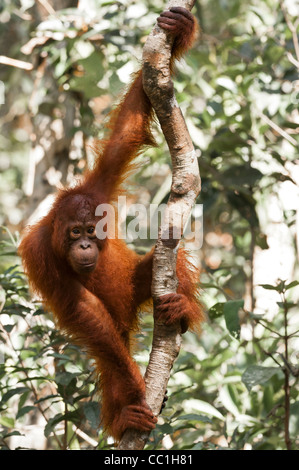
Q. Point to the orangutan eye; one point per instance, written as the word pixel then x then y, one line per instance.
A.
pixel 75 233
pixel 91 230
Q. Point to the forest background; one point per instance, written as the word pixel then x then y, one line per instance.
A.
pixel 62 65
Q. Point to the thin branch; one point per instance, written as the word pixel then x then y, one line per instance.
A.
pixel 293 28
pixel 31 386
pixel 84 436
pixel 270 355
pixel 20 64
pixel 294 371
pixel 50 10
pixel 286 379
pixel 278 129
pixel 269 329
pixel 292 59
pixel 293 334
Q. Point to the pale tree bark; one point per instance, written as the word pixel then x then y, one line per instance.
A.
pixel 185 188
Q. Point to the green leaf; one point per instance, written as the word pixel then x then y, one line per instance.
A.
pixel 198 446
pixel 287 305
pixel 217 310
pixel 88 80
pixel 292 284
pixel 8 328
pixel 23 399
pixel 204 407
pixel 268 398
pixel 258 375
pixel 25 410
pixel 261 241
pixel 281 177
pixel 294 419
pixel 7 422
pixel 231 315
pixel 281 287
pixel 15 391
pixel 47 397
pixel 242 175
pixel 13 433
pixel 229 399
pixel 244 204
pixel 166 428
pixel 268 286
pixel 195 417
pixel 65 378
pixel 52 422
pixel 92 413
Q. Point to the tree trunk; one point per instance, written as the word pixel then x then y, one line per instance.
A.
pixel 185 188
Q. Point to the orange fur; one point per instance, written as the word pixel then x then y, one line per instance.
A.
pixel 99 310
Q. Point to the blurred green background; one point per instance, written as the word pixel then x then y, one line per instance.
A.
pixel 62 65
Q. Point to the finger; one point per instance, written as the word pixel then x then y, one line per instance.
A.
pixel 168 21
pixel 163 307
pixel 135 423
pixel 167 15
pixel 167 27
pixel 184 326
pixel 183 11
pixel 170 297
pixel 176 17
pixel 140 410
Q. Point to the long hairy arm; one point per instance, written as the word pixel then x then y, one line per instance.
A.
pixel 129 126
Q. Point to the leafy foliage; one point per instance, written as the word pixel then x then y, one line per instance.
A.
pixel 44 380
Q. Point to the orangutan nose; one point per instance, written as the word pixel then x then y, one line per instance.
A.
pixel 85 244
